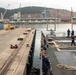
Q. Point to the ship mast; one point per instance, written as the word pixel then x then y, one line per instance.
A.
pixel 71 19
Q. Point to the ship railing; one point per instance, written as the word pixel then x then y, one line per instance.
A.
pixel 60 34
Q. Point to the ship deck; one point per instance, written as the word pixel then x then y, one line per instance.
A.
pixel 61 52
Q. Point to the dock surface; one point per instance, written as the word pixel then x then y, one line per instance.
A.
pixel 13 60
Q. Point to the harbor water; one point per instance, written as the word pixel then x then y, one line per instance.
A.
pixel 61 29
pixel 1 26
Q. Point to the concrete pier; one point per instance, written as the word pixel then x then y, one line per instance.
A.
pixel 13 59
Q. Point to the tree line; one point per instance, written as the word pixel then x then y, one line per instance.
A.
pixel 24 10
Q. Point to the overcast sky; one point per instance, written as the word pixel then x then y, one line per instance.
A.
pixel 60 4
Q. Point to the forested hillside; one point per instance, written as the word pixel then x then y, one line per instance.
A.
pixel 24 10
pixel 51 12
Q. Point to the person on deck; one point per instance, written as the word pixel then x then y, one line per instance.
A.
pixel 72 34
pixel 73 40
pixel 68 33
pixel 46 64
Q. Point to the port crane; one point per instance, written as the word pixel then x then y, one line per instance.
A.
pixel 2 15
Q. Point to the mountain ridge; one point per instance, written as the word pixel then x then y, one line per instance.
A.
pixel 34 10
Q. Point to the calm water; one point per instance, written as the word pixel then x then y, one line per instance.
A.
pixel 1 26
pixel 37 50
pixel 61 29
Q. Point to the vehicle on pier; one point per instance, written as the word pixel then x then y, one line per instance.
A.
pixel 9 27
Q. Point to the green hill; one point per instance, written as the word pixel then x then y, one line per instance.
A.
pixel 24 10
pixel 51 12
